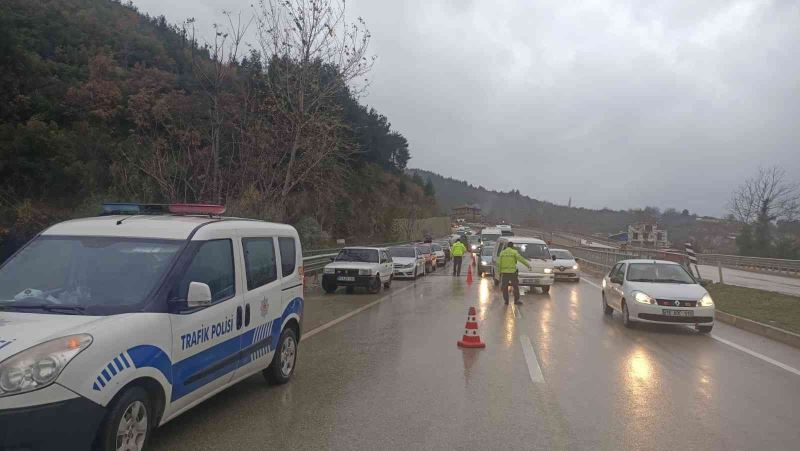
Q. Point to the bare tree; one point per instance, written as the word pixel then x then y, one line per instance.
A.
pixel 314 55
pixel 766 197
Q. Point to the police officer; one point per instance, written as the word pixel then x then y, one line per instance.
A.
pixel 457 250
pixel 507 266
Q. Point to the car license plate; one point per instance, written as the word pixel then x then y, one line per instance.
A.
pixel 678 313
pixel 346 279
pixel 528 280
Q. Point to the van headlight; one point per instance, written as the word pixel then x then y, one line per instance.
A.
pixel 329 271
pixel 643 298
pixel 548 270
pixel 40 366
pixel 574 266
pixel 364 272
pixel 706 301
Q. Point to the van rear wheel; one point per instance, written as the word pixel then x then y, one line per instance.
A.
pixel 281 368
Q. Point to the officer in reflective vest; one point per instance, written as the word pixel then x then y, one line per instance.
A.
pixel 457 251
pixel 507 267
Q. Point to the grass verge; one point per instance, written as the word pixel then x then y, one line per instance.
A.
pixel 775 309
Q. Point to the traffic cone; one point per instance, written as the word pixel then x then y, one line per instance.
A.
pixel 469 275
pixel 471 338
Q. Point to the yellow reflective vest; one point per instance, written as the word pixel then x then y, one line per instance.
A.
pixel 458 249
pixel 507 261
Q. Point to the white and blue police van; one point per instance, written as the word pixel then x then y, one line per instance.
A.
pixel 113 325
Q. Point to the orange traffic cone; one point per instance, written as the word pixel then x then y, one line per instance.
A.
pixel 471 338
pixel 469 275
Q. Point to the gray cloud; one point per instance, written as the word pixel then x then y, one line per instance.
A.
pixel 613 103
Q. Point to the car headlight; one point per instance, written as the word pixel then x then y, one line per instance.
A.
pixel 474 247
pixel 329 271
pixel 574 266
pixel 40 366
pixel 643 298
pixel 364 272
pixel 548 271
pixel 706 301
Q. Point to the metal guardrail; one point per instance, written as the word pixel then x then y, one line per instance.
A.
pixel 777 265
pixel 606 258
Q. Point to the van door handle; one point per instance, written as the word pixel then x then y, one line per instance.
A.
pixel 238 317
pixel 246 315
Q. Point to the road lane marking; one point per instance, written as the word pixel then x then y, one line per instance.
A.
pixel 355 312
pixel 757 355
pixel 530 358
pixel 590 283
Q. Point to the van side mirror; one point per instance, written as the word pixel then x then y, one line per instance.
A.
pixel 199 295
pixel 554 257
pixel 333 259
pixel 616 280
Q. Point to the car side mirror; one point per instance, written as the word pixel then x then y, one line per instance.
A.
pixel 199 295
pixel 577 259
pixel 616 280
pixel 554 257
pixel 333 259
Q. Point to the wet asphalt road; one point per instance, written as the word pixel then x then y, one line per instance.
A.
pixel 391 377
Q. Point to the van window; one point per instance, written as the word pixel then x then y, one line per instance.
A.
pixel 288 255
pixel 213 266
pixel 259 261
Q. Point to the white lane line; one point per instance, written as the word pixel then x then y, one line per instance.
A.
pixel 590 283
pixel 757 355
pixel 355 312
pixel 530 358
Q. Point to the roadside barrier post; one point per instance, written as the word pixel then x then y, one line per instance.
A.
pixel 719 267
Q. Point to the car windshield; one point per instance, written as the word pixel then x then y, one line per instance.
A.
pixel 490 237
pixel 426 249
pixel 358 255
pixel 658 273
pixel 97 275
pixel 402 252
pixel 474 239
pixel 436 247
pixel 534 251
pixel 487 251
pixel 562 254
pixel 507 232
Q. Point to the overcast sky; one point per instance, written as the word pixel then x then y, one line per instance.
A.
pixel 614 103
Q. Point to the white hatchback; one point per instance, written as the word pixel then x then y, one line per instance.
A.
pixel 657 291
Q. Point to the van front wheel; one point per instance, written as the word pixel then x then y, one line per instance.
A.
pixel 128 423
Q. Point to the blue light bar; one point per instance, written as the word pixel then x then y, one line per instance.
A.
pixel 128 208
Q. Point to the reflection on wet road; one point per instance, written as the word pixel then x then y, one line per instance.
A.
pixel 392 377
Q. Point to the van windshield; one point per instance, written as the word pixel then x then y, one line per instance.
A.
pixel 534 251
pixel 91 275
pixel 490 237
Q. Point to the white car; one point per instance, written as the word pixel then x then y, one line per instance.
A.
pixel 438 251
pixel 112 326
pixel 489 236
pixel 368 267
pixel 564 265
pixel 657 291
pixel 538 255
pixel 408 261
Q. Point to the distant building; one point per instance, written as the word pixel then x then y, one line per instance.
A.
pixel 647 234
pixel 469 213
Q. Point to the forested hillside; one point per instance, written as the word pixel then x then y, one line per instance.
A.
pixel 517 208
pixel 101 103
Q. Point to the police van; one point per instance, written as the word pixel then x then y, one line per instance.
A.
pixel 111 326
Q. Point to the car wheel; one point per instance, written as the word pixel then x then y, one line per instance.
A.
pixel 375 285
pixel 388 284
pixel 704 329
pixel 128 423
pixel 350 290
pixel 329 287
pixel 546 289
pixel 607 308
pixel 626 315
pixel 281 368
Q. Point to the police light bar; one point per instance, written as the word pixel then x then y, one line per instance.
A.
pixel 131 208
pixel 196 209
